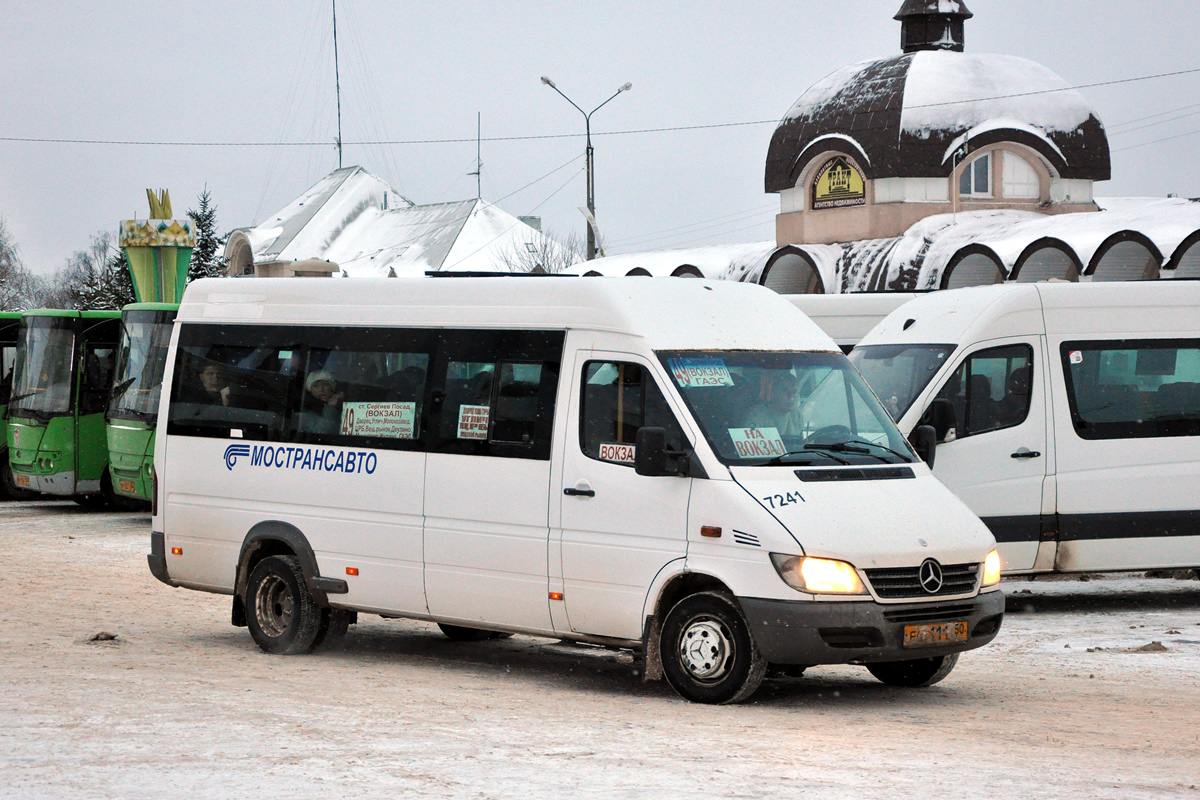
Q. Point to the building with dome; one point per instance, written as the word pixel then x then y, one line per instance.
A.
pixel 939 168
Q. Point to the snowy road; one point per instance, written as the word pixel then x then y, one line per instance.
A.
pixel 1072 700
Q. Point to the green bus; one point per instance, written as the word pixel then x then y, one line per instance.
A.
pixel 56 438
pixel 10 324
pixel 137 383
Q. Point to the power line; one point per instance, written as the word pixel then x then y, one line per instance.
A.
pixel 1157 141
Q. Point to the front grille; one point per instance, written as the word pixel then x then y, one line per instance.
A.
pixel 900 582
pixel 908 616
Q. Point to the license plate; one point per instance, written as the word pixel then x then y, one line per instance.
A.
pixel 126 486
pixel 932 635
pixel 22 480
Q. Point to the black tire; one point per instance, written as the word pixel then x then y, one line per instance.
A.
pixel 916 673
pixel 8 484
pixel 332 629
pixel 96 502
pixel 708 654
pixel 460 634
pixel 280 612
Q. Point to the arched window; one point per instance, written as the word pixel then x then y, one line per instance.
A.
pixel 791 271
pixel 1126 256
pixel 974 265
pixel 1020 178
pixel 687 271
pixel 976 178
pixel 1186 261
pixel 1046 259
pixel 638 272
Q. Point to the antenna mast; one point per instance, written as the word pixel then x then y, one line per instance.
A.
pixel 478 158
pixel 337 78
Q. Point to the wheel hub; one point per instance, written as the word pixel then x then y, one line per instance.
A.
pixel 705 648
pixel 274 606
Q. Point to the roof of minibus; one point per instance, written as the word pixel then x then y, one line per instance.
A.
pixel 669 313
pixel 1016 309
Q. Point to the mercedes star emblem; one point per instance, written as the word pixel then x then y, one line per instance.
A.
pixel 930 576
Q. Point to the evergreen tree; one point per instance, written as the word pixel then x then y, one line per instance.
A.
pixel 206 257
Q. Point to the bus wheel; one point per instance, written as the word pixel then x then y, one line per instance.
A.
pixel 916 673
pixel 282 616
pixel 8 484
pixel 92 501
pixel 331 631
pixel 708 654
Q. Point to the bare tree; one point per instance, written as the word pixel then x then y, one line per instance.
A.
pixel 19 288
pixel 94 278
pixel 543 253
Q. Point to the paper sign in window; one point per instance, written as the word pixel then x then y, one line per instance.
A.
pixel 620 453
pixel 473 422
pixel 385 420
pixel 690 373
pixel 757 442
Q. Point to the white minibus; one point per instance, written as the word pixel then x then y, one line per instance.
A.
pixel 1068 415
pixel 848 317
pixel 687 469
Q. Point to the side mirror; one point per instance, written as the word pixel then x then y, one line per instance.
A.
pixel 941 416
pixel 925 441
pixel 650 457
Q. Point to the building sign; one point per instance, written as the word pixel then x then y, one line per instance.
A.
pixel 838 185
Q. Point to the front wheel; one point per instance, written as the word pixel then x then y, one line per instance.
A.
pixel 708 654
pixel 281 614
pixel 916 673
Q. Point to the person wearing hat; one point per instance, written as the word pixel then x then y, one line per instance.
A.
pixel 321 412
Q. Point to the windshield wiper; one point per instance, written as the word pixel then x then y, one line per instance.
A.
pixel 886 449
pixel 844 447
pixel 120 388
pixel 12 400
pixel 807 451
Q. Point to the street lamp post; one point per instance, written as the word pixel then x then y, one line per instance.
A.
pixel 591 187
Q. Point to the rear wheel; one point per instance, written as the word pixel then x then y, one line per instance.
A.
pixel 8 483
pixel 916 673
pixel 708 654
pixel 280 612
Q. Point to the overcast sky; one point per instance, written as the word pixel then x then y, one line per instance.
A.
pixel 235 71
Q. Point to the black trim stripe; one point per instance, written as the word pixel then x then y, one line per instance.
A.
pixel 1089 527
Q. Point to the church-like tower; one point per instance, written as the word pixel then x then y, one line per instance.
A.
pixel 932 25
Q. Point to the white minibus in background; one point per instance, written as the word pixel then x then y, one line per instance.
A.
pixel 1068 415
pixel 848 317
pixel 640 464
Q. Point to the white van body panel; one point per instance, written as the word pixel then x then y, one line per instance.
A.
pixel 847 318
pixel 1097 488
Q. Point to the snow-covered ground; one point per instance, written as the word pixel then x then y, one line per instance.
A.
pixel 1067 702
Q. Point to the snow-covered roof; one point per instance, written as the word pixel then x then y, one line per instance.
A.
pixel 723 262
pixel 905 112
pixel 356 220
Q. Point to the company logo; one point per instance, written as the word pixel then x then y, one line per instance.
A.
pixel 930 576
pixel 233 452
pixel 304 458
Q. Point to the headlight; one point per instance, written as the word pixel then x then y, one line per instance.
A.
pixel 991 569
pixel 818 575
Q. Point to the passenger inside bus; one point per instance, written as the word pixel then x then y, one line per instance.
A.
pixel 322 404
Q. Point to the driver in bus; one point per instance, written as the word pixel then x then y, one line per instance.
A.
pixel 780 409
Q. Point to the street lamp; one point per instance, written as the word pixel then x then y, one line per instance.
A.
pixel 591 197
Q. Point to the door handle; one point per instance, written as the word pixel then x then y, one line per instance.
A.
pixel 1026 453
pixel 581 488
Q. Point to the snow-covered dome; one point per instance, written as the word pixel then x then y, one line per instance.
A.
pixel 904 117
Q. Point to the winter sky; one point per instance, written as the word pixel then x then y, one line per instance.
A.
pixel 223 71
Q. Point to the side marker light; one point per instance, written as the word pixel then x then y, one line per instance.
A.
pixel 711 531
pixel 351 570
pixel 556 595
pixel 176 551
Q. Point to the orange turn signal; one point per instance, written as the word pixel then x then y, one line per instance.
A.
pixel 556 595
pixel 711 531
pixel 351 570
pixel 176 551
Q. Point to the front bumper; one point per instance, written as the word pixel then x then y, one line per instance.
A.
pixel 810 632
pixel 60 483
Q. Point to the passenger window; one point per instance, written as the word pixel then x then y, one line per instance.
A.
pixel 991 390
pixel 1133 389
pixel 619 399
pixel 496 393
pixel 354 395
pixel 218 388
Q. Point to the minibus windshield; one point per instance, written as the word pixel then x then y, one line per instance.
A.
pixel 42 380
pixel 899 372
pixel 141 359
pixel 766 408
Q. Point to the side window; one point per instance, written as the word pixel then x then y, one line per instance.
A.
pixel 991 390
pixel 618 400
pixel 494 393
pixel 96 377
pixel 357 397
pixel 222 387
pixel 1133 389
